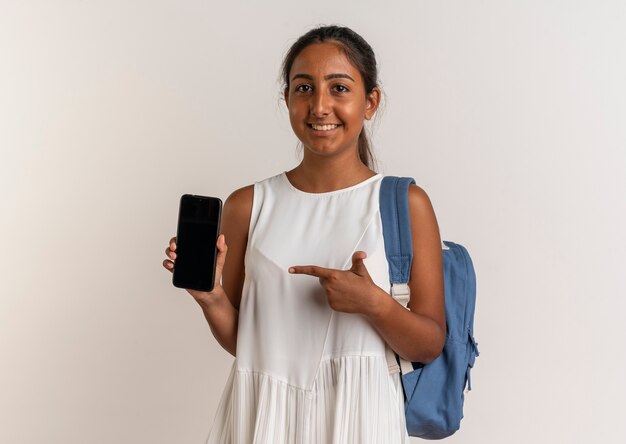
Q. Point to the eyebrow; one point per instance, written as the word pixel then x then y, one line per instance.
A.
pixel 328 77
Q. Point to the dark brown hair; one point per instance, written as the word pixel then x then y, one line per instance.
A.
pixel 360 54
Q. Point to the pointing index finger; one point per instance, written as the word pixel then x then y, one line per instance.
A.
pixel 311 270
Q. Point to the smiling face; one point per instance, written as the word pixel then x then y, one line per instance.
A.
pixel 327 101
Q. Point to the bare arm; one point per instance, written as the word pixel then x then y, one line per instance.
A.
pixel 223 317
pixel 221 306
pixel 417 334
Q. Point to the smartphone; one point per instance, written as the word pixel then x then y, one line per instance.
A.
pixel 196 242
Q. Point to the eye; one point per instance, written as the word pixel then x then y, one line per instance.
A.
pixel 341 88
pixel 304 85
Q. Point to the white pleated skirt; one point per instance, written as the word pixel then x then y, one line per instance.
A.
pixel 354 400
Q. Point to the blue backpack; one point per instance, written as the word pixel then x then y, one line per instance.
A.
pixel 433 393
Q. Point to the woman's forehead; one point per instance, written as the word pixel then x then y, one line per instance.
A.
pixel 321 59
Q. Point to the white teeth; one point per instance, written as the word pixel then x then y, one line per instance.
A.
pixel 324 127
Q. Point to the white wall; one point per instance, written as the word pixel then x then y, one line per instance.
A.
pixel 510 114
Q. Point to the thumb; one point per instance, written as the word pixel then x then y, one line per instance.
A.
pixel 358 266
pixel 222 249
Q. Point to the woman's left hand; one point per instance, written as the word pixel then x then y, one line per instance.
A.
pixel 349 291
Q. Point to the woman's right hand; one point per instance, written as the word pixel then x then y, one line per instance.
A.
pixel 202 296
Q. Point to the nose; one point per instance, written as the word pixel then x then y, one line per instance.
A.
pixel 320 103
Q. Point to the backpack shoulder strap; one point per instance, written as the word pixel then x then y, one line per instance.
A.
pixel 394 212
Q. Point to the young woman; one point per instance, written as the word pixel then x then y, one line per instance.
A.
pixel 303 302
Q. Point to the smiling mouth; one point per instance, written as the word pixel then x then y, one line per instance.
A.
pixel 323 127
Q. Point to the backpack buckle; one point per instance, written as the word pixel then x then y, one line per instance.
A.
pixel 401 293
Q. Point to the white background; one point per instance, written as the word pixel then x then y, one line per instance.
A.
pixel 510 114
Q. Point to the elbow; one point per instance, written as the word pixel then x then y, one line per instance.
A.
pixel 430 355
pixel 422 356
pixel 436 346
pixel 429 351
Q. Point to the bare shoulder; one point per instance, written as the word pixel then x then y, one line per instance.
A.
pixel 238 205
pixel 240 199
pixel 236 217
pixel 419 200
pixel 424 224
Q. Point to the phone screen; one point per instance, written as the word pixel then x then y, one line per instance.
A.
pixel 196 242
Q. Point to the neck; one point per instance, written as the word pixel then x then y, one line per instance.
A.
pixel 317 174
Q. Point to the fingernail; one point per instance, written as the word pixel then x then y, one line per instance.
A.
pixel 291 269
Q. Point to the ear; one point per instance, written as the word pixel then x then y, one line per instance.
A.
pixel 372 102
pixel 286 96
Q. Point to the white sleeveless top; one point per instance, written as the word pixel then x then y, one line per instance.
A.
pixel 304 373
